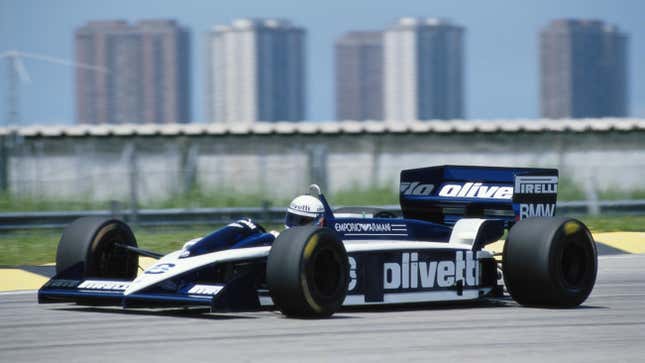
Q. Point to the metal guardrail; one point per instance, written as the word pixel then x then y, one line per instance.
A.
pixel 266 215
pixel 623 207
pixel 142 217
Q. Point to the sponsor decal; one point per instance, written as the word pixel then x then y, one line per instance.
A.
pixel 306 207
pixel 373 228
pixel 411 273
pixel 416 188
pixel 160 268
pixel 242 223
pixel 536 184
pixel 62 283
pixel 301 207
pixel 363 227
pixel 476 191
pixel 104 285
pixel 353 278
pixel 536 210
pixel 247 223
pixel 205 290
pixel 535 195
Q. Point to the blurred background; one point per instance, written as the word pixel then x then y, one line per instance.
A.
pixel 154 110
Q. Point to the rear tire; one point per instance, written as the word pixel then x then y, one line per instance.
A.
pixel 550 262
pixel 87 247
pixel 308 272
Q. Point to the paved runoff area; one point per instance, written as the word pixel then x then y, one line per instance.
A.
pixel 609 326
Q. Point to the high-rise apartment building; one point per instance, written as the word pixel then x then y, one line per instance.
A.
pixel 583 69
pixel 147 77
pixel 255 72
pixel 424 66
pixel 359 76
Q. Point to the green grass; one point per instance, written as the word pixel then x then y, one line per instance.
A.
pixel 383 195
pixel 201 197
pixel 32 247
pixel 613 194
pixel 29 247
pixel 221 198
pixel 615 223
pixel 9 203
pixel 568 190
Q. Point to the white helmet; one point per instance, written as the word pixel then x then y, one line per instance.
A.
pixel 303 210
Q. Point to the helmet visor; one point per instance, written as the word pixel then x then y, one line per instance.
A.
pixel 293 220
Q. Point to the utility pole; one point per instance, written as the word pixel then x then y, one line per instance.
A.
pixel 12 92
pixel 4 165
pixel 17 72
pixel 130 156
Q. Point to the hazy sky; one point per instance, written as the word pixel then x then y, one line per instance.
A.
pixel 501 44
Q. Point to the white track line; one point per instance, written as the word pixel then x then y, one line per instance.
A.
pixel 19 292
pixel 622 255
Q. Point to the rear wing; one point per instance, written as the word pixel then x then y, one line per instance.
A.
pixel 445 194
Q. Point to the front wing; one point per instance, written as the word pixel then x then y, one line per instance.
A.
pixel 393 274
pixel 233 296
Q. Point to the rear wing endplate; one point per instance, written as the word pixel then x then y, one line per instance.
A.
pixel 445 194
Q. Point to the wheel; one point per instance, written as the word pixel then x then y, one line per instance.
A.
pixel 550 262
pixel 88 247
pixel 308 272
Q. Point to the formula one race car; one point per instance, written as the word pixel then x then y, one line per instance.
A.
pixel 434 253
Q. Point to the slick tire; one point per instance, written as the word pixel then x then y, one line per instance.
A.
pixel 88 248
pixel 308 272
pixel 550 262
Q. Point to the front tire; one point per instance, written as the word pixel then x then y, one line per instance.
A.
pixel 550 262
pixel 308 272
pixel 88 248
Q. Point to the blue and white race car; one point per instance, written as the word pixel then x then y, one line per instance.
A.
pixel 355 256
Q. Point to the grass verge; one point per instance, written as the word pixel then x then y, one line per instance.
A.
pixel 33 247
pixel 203 197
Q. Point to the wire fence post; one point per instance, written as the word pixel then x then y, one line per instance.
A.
pixel 13 92
pixel 133 177
pixel 4 165
pixel 317 155
pixel 188 155
pixel 591 194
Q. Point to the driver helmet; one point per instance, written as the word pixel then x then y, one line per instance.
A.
pixel 303 210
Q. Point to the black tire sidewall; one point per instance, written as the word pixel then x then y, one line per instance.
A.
pixel 532 262
pixel 291 272
pixel 327 245
pixel 571 295
pixel 85 239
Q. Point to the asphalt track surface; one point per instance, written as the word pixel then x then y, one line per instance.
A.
pixel 610 326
